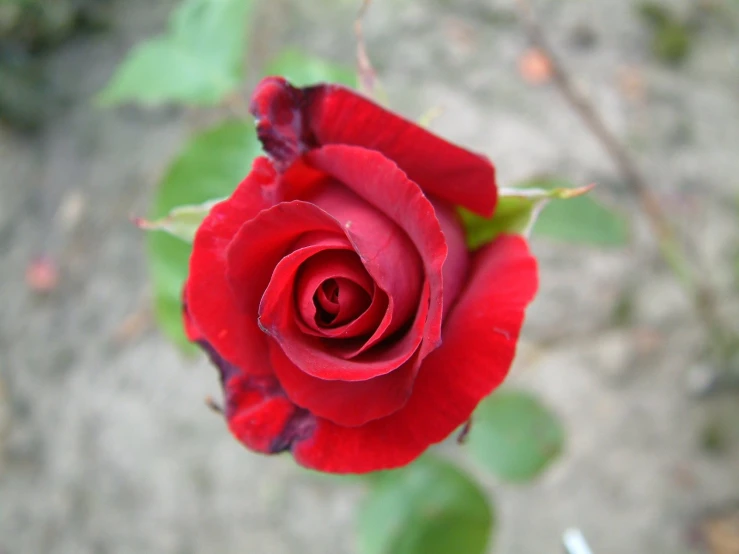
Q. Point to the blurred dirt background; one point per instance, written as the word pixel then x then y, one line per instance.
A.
pixel 106 445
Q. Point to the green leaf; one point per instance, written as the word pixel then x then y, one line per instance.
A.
pixel 516 212
pixel 303 69
pixel 580 220
pixel 429 507
pixel 198 61
pixel 210 166
pixel 515 436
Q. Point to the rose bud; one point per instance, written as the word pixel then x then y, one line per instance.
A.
pixel 334 290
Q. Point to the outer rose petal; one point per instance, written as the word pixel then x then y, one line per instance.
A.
pixel 192 332
pixel 278 110
pixel 257 410
pixel 210 302
pixel 480 338
pixel 292 121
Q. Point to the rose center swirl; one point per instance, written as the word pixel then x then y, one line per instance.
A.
pixel 339 300
pixel 333 290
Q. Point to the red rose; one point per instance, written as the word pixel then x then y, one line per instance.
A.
pixel 334 290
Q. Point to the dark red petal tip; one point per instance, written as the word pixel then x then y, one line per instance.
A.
pixel 257 410
pixel 277 107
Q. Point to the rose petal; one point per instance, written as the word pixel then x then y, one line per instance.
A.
pixel 457 260
pixel 349 281
pixel 382 184
pixel 342 300
pixel 192 332
pixel 322 358
pixel 257 411
pixel 386 251
pixel 211 304
pixel 264 240
pixel 364 324
pixel 280 127
pixel 346 403
pixel 292 121
pixel 370 320
pixel 480 338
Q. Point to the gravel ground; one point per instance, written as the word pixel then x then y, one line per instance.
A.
pixel 105 443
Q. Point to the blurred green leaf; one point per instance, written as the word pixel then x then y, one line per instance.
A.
pixel 672 43
pixel 211 166
pixel 654 13
pixel 514 435
pixel 671 37
pixel 198 61
pixel 581 220
pixel 429 507
pixel 516 212
pixel 303 69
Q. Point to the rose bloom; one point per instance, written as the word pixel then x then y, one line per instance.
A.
pixel 334 291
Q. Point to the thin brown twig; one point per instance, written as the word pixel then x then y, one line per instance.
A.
pixel 365 70
pixel 672 249
pixel 213 405
pixel 587 113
